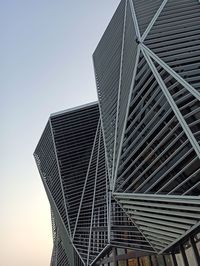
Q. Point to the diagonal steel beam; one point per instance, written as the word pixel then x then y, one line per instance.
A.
pixel 119 92
pixel 135 21
pixel 126 116
pixel 53 204
pixel 118 202
pixel 100 255
pixel 182 81
pixel 98 128
pixel 155 197
pixel 172 103
pixel 94 195
pixel 60 178
pixel 153 20
pixel 103 133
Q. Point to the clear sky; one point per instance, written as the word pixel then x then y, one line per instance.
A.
pixel 46 51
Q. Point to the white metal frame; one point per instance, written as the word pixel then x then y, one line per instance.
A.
pixel 135 20
pixel 172 103
pixel 126 117
pixel 86 178
pixel 119 92
pixel 153 20
pixel 63 193
pixel 94 194
pixel 55 206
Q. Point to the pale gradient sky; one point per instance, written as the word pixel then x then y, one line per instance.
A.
pixel 45 66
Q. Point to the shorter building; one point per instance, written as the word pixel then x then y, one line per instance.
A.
pixel 90 225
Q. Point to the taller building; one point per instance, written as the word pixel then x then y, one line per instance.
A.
pixel 123 175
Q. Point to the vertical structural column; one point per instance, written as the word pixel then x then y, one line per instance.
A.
pixel 109 215
pixel 174 259
pixel 60 177
pixel 114 256
pixel 184 256
pixel 94 193
pixel 195 251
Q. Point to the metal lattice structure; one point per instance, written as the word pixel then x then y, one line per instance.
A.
pixel 125 172
pixel 152 130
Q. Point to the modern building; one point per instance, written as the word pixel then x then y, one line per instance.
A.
pixel 123 174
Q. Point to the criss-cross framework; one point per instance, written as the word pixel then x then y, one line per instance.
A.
pixel 125 172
